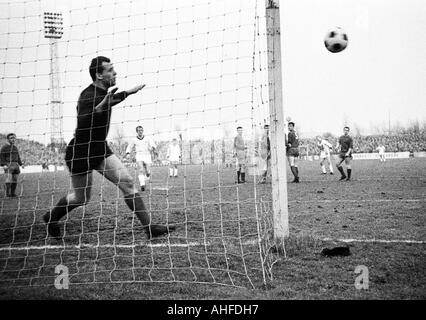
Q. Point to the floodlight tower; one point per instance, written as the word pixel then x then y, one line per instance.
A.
pixel 53 31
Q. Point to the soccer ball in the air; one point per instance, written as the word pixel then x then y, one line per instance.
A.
pixel 336 40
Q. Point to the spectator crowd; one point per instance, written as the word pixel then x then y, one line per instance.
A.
pixel 35 153
pixel 411 142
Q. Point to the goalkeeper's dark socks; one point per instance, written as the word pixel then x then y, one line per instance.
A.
pixel 341 171
pixel 60 210
pixel 52 217
pixel 296 169
pixel 52 227
pixel 238 176
pixel 156 230
pixel 243 177
pixel 136 205
pixel 349 173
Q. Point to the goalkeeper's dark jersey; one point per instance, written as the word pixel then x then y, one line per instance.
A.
pixel 89 148
pixel 93 126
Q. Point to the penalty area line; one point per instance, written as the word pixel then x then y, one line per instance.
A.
pixel 119 246
pixel 191 244
pixel 406 241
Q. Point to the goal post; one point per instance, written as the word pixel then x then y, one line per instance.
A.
pixel 277 124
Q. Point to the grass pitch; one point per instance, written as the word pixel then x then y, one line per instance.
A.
pixel 214 254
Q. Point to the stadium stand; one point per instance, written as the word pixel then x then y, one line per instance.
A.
pixel 197 151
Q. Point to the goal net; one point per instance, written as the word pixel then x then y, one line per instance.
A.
pixel 205 67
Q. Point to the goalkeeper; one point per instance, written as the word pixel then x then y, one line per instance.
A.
pixel 89 151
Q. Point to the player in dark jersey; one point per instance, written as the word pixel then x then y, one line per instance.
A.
pixel 346 147
pixel 89 151
pixel 10 161
pixel 292 145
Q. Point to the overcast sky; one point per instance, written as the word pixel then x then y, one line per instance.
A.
pixel 197 56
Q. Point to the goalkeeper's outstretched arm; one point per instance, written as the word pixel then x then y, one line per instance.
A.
pixel 113 98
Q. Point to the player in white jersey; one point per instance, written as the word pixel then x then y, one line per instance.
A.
pixel 144 147
pixel 381 148
pixel 174 156
pixel 325 154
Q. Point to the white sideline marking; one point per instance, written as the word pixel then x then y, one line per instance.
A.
pixel 161 188
pixel 376 241
pixel 190 244
pixel 360 200
pixel 369 178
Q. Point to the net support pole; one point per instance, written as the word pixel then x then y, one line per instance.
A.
pixel 277 125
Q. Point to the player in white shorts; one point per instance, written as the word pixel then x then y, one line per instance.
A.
pixel 325 154
pixel 381 148
pixel 144 147
pixel 174 156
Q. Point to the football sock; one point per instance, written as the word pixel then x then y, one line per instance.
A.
pixel 238 176
pixel 175 172
pixel 243 176
pixel 331 168
pixel 13 188
pixel 341 171
pixel 293 170
pixel 296 169
pixel 171 172
pixel 136 205
pixel 60 210
pixel 349 173
pixel 323 169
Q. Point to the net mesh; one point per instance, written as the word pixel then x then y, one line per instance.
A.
pixel 204 64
